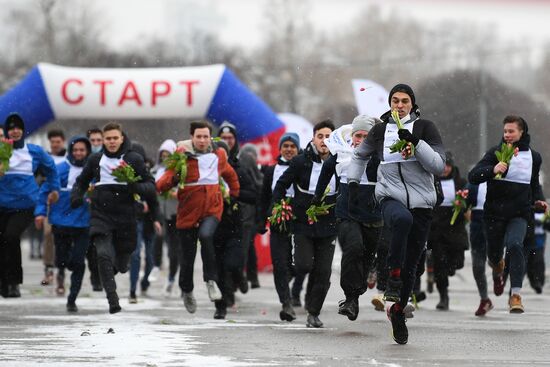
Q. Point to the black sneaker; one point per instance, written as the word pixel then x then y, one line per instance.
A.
pixel 243 284
pixel 393 290
pixel 254 283
pixel 220 313
pixel 13 291
pixel 443 304
pixel 287 313
pixel 400 333
pixel 349 308
pixel 71 307
pixel 114 306
pixel 133 298
pixel 313 321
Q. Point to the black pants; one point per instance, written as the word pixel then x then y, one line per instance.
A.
pixel 229 261
pixel 358 244
pixel 174 248
pixel 447 255
pixel 478 244
pixel 248 218
pixel 314 255
pixel 409 230
pixel 91 256
pixel 71 245
pixel 281 258
pixel 536 267
pixel 382 258
pixel 12 225
pixel 188 241
pixel 110 260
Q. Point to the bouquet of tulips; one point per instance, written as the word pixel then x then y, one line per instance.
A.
pixel 504 155
pixel 126 173
pixel 282 213
pixel 459 203
pixel 177 161
pixel 314 211
pixel 404 147
pixel 6 150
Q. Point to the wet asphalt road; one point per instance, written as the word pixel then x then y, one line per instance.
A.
pixel 36 330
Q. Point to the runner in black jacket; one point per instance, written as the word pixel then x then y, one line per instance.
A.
pixel 113 219
pixel 359 230
pixel 447 242
pixel 281 241
pixel 509 205
pixel 314 242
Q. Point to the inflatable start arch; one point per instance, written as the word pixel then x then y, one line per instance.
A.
pixel 213 92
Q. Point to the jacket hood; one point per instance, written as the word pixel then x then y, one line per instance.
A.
pixel 168 145
pixel 124 148
pixel 188 147
pixel 70 157
pixel 15 120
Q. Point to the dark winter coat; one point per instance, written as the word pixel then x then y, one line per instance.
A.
pixel 298 175
pixel 369 212
pixel 455 236
pixel 506 199
pixel 113 204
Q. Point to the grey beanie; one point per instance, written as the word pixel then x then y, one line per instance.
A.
pixel 363 122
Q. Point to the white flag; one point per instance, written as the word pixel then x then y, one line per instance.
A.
pixel 371 98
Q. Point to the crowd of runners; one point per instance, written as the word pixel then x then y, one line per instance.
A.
pixel 384 189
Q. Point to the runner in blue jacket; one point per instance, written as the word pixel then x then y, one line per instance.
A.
pixel 18 197
pixel 70 226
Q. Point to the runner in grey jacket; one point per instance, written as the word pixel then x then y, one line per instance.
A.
pixel 405 190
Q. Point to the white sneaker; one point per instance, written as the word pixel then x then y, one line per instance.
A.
pixel 408 311
pixel 168 289
pixel 189 302
pixel 213 291
pixel 378 302
pixel 154 275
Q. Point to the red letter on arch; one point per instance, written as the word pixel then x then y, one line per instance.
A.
pixel 155 93
pixel 102 85
pixel 189 84
pixel 129 93
pixel 78 99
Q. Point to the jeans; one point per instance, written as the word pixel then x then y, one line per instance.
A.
pixel 507 234
pixel 188 241
pixel 135 263
pixel 314 255
pixel 71 245
pixel 409 230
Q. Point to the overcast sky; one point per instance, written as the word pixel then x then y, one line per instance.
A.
pixel 239 21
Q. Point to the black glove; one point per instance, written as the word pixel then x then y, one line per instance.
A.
pixel 76 201
pixel 316 201
pixel 260 228
pixel 406 135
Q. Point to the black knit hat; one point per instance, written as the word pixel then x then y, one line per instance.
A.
pixel 227 127
pixel 404 88
pixel 13 121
